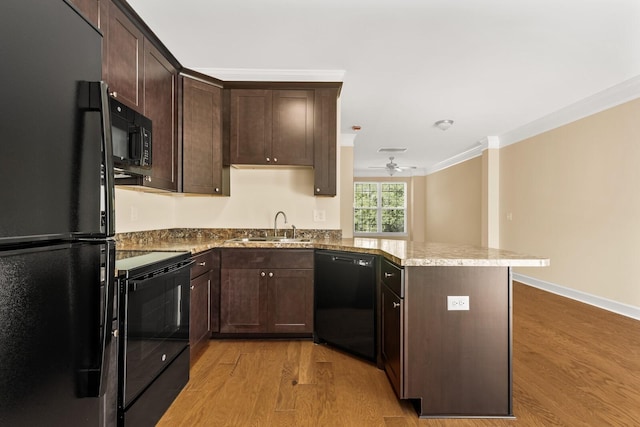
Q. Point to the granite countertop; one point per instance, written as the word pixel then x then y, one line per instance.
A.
pixel 402 252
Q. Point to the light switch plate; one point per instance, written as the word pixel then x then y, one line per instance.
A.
pixel 457 303
pixel 319 215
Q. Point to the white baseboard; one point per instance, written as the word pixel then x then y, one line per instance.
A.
pixel 604 303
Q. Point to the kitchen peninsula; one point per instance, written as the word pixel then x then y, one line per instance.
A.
pixel 444 311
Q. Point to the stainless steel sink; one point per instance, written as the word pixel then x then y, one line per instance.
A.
pixel 272 239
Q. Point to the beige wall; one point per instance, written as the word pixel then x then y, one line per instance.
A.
pixel 417 226
pixel 256 196
pixel 573 194
pixel 346 191
pixel 454 204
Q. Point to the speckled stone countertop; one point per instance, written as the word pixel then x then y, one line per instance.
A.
pixel 402 252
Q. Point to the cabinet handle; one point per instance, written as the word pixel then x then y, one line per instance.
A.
pixel 268 159
pixel 396 304
pixel 202 264
pixel 270 274
pixel 262 274
pixel 387 275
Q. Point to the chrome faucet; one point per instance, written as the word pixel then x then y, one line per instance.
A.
pixel 275 222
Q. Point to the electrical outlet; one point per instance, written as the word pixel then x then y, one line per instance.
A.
pixel 457 303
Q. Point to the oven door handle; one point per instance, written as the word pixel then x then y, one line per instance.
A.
pixel 138 285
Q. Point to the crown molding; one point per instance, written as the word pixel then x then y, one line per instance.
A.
pixel 273 75
pixel 347 139
pixel 459 158
pixel 608 98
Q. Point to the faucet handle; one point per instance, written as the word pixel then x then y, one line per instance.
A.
pixel 294 230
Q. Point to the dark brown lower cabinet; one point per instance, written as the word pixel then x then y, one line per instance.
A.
pixel 290 301
pixel 391 307
pixel 205 281
pixel 458 363
pixel 266 291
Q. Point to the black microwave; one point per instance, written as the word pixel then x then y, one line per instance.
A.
pixel 131 138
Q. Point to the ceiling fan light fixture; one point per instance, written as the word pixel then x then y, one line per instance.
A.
pixel 443 124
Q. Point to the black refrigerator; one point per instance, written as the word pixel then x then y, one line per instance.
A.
pixel 57 345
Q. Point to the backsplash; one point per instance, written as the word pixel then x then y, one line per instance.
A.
pixel 142 237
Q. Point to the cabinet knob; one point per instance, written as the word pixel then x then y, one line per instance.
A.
pixel 387 275
pixel 115 333
pixel 275 159
pixel 318 190
pixel 217 190
pixel 270 274
pixel 147 178
pixel 114 94
pixel 202 264
pixel 396 304
pixel 191 287
pixel 268 159
pixel 262 274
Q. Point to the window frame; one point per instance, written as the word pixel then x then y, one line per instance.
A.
pixel 379 209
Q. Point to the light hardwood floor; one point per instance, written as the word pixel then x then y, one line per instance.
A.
pixel 573 364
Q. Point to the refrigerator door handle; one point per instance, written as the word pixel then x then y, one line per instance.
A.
pixel 108 190
pixel 106 335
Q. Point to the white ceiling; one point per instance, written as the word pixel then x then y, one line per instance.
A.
pixel 492 66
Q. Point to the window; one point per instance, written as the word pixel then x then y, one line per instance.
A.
pixel 380 208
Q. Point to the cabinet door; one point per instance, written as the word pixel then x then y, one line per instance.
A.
pixel 123 63
pixel 160 106
pixel 290 300
pixel 199 312
pixel 391 338
pixel 292 139
pixel 214 300
pixel 250 126
pixel 202 138
pixel 89 8
pixel 243 300
pixel 325 140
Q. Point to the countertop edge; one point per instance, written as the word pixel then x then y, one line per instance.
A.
pixel 394 251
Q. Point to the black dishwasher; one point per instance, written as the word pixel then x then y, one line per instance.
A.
pixel 345 302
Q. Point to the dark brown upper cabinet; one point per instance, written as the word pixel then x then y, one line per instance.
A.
pixel 90 9
pixel 271 127
pixel 325 141
pixel 123 57
pixel 142 74
pixel 160 81
pixel 202 169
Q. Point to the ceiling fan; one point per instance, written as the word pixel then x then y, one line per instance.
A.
pixel 392 167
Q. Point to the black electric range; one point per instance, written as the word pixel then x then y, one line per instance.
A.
pixel 132 263
pixel 154 293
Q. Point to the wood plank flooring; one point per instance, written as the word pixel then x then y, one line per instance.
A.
pixel 574 365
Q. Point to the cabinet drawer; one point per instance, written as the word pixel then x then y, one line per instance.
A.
pixel 204 262
pixel 392 276
pixel 271 258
